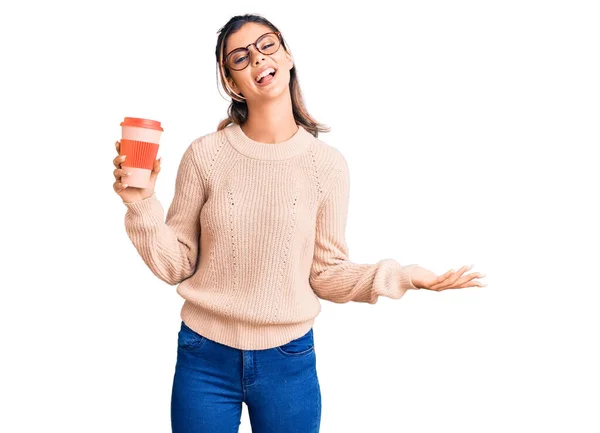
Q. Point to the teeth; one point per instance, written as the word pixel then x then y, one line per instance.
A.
pixel 265 72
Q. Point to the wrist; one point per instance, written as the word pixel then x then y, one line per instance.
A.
pixel 414 276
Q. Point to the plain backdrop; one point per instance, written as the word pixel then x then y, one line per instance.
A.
pixel 469 128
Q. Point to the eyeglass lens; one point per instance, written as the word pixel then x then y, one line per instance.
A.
pixel 266 44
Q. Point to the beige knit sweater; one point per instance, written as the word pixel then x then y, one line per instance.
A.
pixel 254 237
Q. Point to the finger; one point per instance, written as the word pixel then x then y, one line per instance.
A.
pixel 464 269
pixel 469 277
pixel 118 146
pixel 119 186
pixel 443 277
pixel 465 281
pixel 120 173
pixel 442 280
pixel 449 279
pixel 467 284
pixel 155 170
pixel 119 160
pixel 457 276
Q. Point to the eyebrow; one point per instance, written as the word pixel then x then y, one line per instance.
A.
pixel 246 47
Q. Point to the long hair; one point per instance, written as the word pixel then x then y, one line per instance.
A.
pixel 238 110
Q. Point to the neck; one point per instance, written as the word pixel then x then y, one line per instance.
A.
pixel 270 121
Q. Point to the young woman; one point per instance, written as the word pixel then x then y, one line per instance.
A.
pixel 253 238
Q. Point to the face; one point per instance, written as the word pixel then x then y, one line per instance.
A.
pixel 244 82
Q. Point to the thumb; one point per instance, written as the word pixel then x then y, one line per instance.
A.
pixel 156 167
pixel 155 171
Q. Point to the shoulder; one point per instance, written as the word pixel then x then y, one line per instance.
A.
pixel 331 166
pixel 203 149
pixel 208 142
pixel 330 156
pixel 331 161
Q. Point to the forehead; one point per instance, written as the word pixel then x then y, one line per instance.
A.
pixel 247 34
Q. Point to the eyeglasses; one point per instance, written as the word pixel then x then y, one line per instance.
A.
pixel 239 58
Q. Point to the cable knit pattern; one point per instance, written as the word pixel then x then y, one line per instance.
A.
pixel 255 235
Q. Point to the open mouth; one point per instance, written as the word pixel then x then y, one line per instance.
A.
pixel 267 78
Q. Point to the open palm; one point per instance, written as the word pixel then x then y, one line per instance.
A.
pixel 425 279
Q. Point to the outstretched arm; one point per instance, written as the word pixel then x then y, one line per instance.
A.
pixel 333 276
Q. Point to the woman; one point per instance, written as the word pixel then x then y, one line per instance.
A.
pixel 253 237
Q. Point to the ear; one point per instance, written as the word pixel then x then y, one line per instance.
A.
pixel 290 61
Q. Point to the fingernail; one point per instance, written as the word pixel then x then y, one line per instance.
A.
pixel 125 185
pixel 128 174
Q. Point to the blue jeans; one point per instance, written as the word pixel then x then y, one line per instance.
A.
pixel 279 386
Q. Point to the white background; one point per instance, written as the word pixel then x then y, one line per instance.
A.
pixel 468 127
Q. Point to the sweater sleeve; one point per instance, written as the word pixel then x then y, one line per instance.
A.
pixel 333 276
pixel 170 248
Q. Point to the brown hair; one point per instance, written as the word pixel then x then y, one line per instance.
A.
pixel 238 110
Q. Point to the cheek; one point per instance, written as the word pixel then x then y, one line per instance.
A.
pixel 283 74
pixel 240 79
pixel 245 80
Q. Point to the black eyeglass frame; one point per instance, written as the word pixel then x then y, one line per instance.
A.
pixel 255 46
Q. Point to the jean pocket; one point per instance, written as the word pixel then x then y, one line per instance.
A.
pixel 188 339
pixel 298 347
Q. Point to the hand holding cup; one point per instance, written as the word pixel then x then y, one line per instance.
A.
pixel 137 166
pixel 131 193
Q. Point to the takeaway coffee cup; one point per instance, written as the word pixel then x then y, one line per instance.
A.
pixel 139 141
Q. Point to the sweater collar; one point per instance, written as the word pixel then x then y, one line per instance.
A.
pixel 293 146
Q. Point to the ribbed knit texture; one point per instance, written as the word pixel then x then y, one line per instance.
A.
pixel 255 235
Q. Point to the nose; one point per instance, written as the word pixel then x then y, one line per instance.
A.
pixel 253 50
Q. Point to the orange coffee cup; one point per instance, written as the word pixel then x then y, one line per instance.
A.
pixel 139 141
